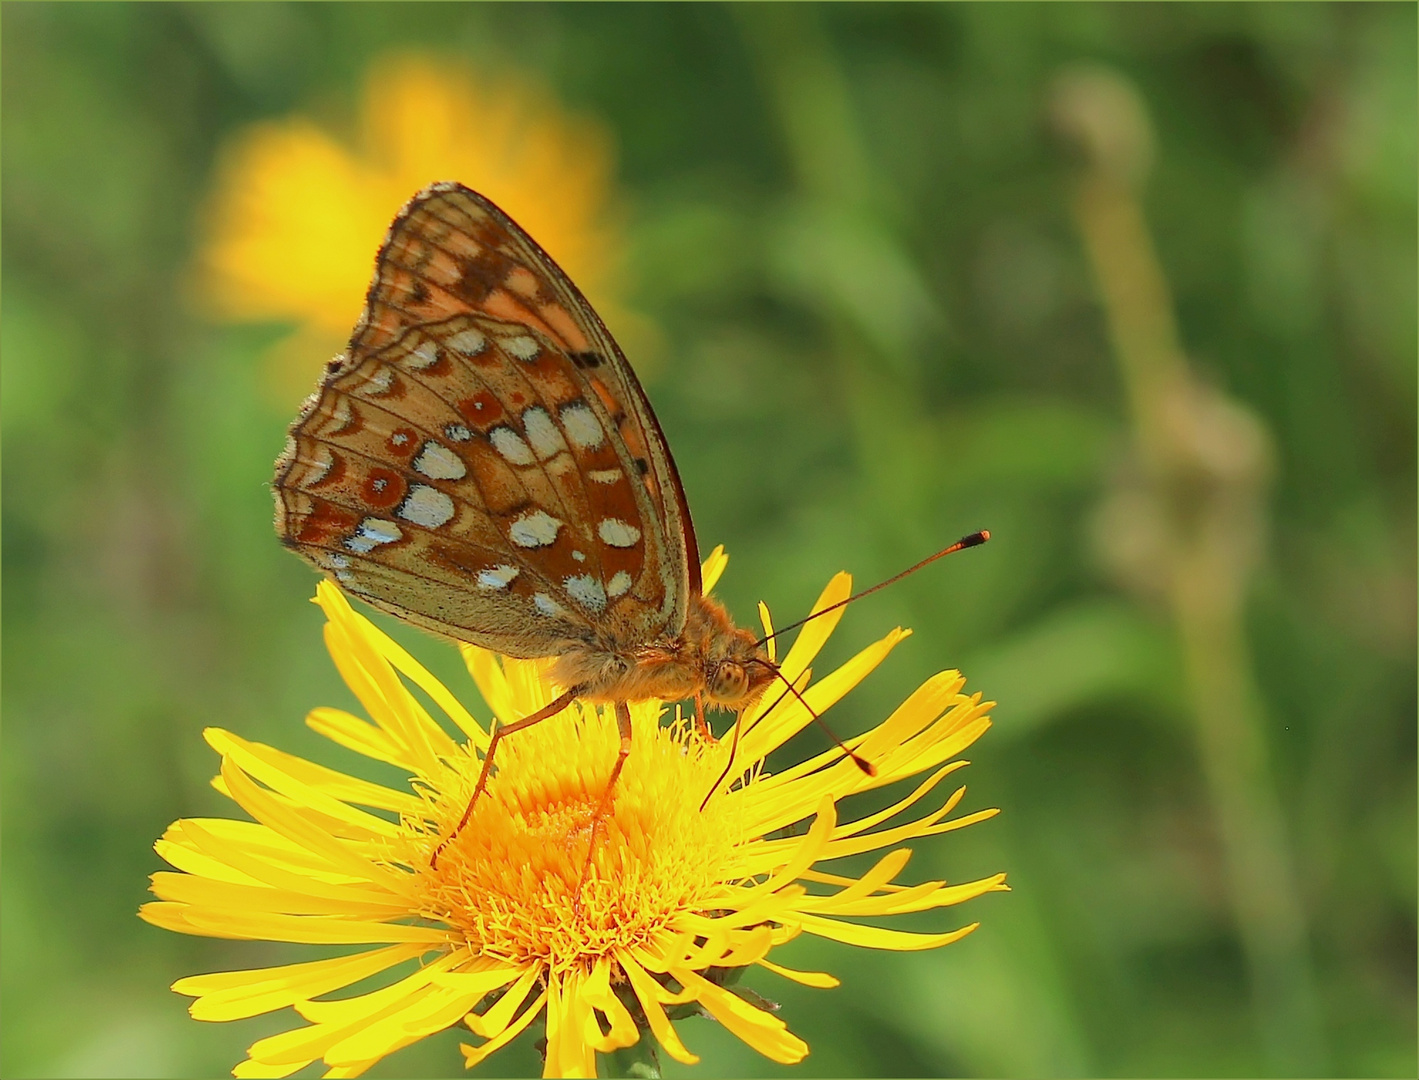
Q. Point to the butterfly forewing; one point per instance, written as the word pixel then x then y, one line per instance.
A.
pixel 483 462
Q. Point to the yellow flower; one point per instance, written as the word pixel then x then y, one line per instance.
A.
pixel 514 922
pixel 297 217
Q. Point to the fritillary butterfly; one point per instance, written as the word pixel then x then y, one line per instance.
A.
pixel 483 463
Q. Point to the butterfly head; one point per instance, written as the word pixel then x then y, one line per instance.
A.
pixel 737 679
pixel 734 665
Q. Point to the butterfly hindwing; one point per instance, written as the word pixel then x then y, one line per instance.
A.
pixel 483 461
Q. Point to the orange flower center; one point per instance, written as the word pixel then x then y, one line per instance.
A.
pixel 525 879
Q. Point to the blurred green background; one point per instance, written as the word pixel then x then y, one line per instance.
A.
pixel 854 236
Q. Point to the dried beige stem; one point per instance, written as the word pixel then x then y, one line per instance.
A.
pixel 1205 462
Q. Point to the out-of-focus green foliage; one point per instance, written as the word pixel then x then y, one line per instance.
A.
pixel 880 331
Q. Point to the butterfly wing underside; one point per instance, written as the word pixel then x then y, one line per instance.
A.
pixel 482 461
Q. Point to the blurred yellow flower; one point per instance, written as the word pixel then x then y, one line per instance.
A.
pixel 676 900
pixel 296 217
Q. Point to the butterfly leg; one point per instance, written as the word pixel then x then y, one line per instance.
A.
pixel 623 725
pixel 700 722
pixel 499 733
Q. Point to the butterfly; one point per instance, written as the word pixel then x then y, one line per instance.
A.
pixel 483 463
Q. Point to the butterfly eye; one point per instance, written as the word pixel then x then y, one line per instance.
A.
pixel 729 682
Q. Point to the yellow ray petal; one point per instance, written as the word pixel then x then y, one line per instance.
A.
pixel 743 948
pixel 660 961
pixel 712 568
pixel 768 850
pixel 805 852
pixel 924 826
pixel 357 735
pixel 345 1072
pixel 309 929
pixel 747 908
pixel 597 993
pixel 313 786
pixel 491 1024
pixel 819 979
pixel 420 677
pixel 923 709
pixel 216 896
pixel 568 1055
pixel 765 1033
pixel 343 1011
pixel 298 828
pixel 360 839
pixel 336 784
pixel 259 1070
pixel 961 822
pixel 352 640
pixel 530 686
pixel 233 995
pixel 185 857
pixel 472 1055
pixel 875 937
pixel 925 897
pixel 340 1019
pixel 882 872
pixel 379 661
pixel 436 1009
pixel 816 631
pixel 934 745
pixel 362 683
pixel 911 716
pixel 380 691
pixel 256 841
pixel 492 682
pixel 770 641
pixel 648 993
pixel 168 915
pixel 791 717
pixel 479 978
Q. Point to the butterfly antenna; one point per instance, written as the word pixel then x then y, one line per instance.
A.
pixel 974 540
pixel 861 762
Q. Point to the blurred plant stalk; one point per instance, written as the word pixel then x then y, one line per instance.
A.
pixel 1190 530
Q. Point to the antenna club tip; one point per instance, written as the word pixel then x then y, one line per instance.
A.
pixel 984 535
pixel 974 540
pixel 865 765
